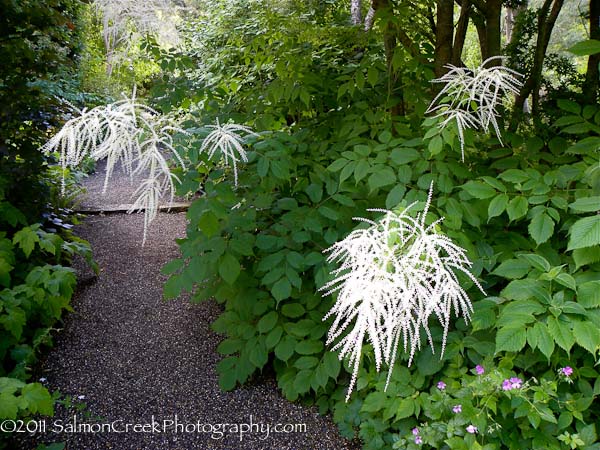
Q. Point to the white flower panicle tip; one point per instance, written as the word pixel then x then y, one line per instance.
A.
pixel 471 96
pixel 392 277
pixel 227 139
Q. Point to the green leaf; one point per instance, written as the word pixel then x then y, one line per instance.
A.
pixel 337 165
pixel 585 233
pixel 566 280
pixel 586 204
pixel 406 408
pixel 293 310
pixel 330 213
pixel 332 364
pixel 586 48
pixel 227 379
pixel 229 268
pixel 26 239
pixel 285 348
pixel 510 339
pixel 569 106
pixel 314 192
pixel 587 335
pixel 517 208
pixel 258 355
pixel 385 137
pixel 9 405
pixel 302 381
pixel 14 320
pixel 436 144
pixel 401 156
pixel 541 228
pixel 361 170
pixel 381 178
pixel 537 261
pixel 589 294
pixel 273 337
pixel 282 289
pixel 262 167
pixel 38 399
pixel 309 347
pixel 267 322
pixel 372 76
pixel 544 340
pixel 497 205
pixel 516 176
pixel 395 196
pixel 561 333
pixel 374 402
pixel 512 269
pixel 208 224
pixel 587 255
pixel 229 346
pixel 306 362
pixel 479 190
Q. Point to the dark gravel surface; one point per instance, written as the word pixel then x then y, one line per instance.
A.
pixel 136 357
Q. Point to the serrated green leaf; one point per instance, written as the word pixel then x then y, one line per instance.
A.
pixel 26 238
pixel 541 228
pixel 309 347
pixel 512 269
pixel 497 205
pixel 585 233
pixel 293 310
pixel 587 255
pixel 282 289
pixel 38 399
pixel 517 208
pixel 587 335
pixel 285 349
pixel 589 294
pixel 569 106
pixel 401 156
pixel 306 362
pixel 229 268
pixel 361 170
pixel 273 337
pixel 561 333
pixel 395 196
pixel 267 322
pixel 381 178
pixel 230 346
pixel 208 224
pixel 510 339
pixel 332 364
pixel 479 190
pixel 586 204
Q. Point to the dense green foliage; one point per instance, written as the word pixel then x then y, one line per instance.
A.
pixel 38 44
pixel 328 150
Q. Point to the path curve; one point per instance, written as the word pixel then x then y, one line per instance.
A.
pixel 134 356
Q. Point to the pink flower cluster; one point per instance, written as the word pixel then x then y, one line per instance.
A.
pixel 512 383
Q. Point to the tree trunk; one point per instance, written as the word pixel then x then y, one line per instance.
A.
pixel 546 20
pixel 479 22
pixel 444 34
pixel 356 12
pixel 493 13
pixel 461 32
pixel 592 77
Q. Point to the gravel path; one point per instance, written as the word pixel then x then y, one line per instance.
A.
pixel 140 360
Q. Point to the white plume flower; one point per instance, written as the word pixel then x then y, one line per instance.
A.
pixel 392 277
pixel 127 132
pixel 471 96
pixel 228 141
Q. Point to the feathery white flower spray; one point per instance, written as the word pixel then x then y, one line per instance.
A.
pixel 229 142
pixel 127 132
pixel 393 276
pixel 471 97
